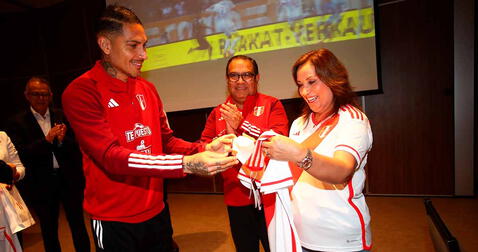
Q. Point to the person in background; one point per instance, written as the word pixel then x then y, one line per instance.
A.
pixel 11 168
pixel 52 160
pixel 127 145
pixel 11 171
pixel 248 112
pixel 327 149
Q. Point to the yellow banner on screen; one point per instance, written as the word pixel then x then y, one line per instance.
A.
pixel 349 25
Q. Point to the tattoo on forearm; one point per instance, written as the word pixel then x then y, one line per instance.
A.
pixel 109 68
pixel 197 168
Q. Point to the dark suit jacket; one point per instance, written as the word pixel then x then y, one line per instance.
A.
pixel 36 155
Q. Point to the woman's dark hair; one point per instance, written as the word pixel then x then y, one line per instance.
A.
pixel 113 18
pixel 332 73
pixel 243 57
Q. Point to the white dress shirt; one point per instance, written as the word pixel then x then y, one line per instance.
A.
pixel 45 125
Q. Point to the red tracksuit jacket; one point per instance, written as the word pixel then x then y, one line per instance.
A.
pixel 124 137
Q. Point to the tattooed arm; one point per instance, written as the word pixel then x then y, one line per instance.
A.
pixel 208 163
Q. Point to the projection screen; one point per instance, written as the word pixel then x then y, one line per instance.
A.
pixel 190 41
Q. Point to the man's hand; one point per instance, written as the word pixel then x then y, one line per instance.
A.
pixel 221 144
pixel 208 163
pixel 61 132
pixel 55 132
pixel 231 115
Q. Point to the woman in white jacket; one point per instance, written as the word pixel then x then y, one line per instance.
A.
pixel 11 170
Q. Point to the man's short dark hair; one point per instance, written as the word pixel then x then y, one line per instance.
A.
pixel 113 18
pixel 243 57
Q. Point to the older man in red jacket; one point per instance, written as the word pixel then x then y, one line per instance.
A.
pixel 248 112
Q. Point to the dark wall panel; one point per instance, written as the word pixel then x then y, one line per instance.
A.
pixel 68 35
pixel 412 120
pixel 22 52
pixel 13 98
pixel 56 42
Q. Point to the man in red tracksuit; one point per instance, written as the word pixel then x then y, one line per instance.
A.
pixel 124 136
pixel 245 112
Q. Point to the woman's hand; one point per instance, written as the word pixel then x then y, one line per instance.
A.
pixel 283 148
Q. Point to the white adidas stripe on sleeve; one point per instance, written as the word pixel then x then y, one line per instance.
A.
pixel 251 129
pixel 162 162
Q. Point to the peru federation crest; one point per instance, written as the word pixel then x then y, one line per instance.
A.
pixel 258 110
pixel 141 101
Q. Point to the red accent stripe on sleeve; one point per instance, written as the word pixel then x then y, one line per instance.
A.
pixel 350 112
pixel 354 150
pixel 359 113
pixel 354 110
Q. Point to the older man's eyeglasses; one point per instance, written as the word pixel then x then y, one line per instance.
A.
pixel 39 94
pixel 247 76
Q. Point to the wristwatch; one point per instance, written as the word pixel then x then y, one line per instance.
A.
pixel 306 163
